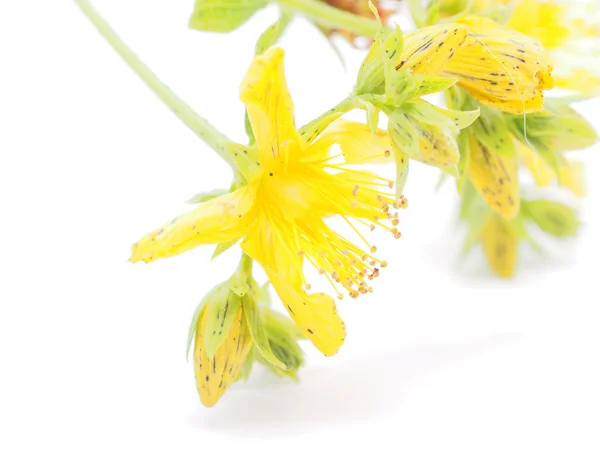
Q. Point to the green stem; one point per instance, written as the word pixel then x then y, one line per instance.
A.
pixel 244 270
pixel 329 16
pixel 200 126
pixel 348 104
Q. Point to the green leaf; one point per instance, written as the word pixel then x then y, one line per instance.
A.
pixel 272 34
pixel 258 332
pixel 206 196
pixel 223 15
pixel 220 314
pixel 222 247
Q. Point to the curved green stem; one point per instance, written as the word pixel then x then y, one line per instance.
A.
pixel 348 104
pixel 329 16
pixel 200 126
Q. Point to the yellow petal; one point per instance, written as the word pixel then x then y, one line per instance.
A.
pixel 357 141
pixel 214 375
pixel 502 68
pixel 495 177
pixel 500 244
pixel 570 175
pixel 581 80
pixel 270 108
pixel 428 50
pixel 277 249
pixel 221 219
pixel 539 168
pixel 544 21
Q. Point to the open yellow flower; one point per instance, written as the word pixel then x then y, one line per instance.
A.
pixel 281 212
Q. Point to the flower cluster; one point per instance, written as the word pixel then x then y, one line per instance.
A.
pixel 492 67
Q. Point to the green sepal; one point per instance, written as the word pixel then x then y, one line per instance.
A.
pixel 222 247
pixel 271 35
pixel 475 212
pixel 245 158
pixel 380 63
pixel 282 334
pixel 372 112
pixel 457 98
pixel 220 314
pixel 263 294
pixel 403 135
pixel 424 111
pixel 258 332
pixel 249 130
pixel 432 85
pixel 223 15
pixel 206 196
pixel 196 315
pixel 400 87
pixel 246 368
pixel 418 12
pixel 554 218
pixel 492 131
pixel 558 128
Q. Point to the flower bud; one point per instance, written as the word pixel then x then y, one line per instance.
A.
pixel 554 218
pixel 221 345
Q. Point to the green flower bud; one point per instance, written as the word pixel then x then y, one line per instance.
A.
pixel 282 335
pixel 558 127
pixel 385 54
pixel 427 133
pixel 221 342
pixel 556 219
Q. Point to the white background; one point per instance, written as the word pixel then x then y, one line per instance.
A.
pixel 92 348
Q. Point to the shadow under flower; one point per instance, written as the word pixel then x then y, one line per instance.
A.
pixel 364 387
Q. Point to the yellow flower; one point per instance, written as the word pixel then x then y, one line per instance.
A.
pixel 281 212
pixel 499 67
pixel 500 244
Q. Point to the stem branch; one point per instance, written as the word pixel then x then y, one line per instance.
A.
pixel 200 126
